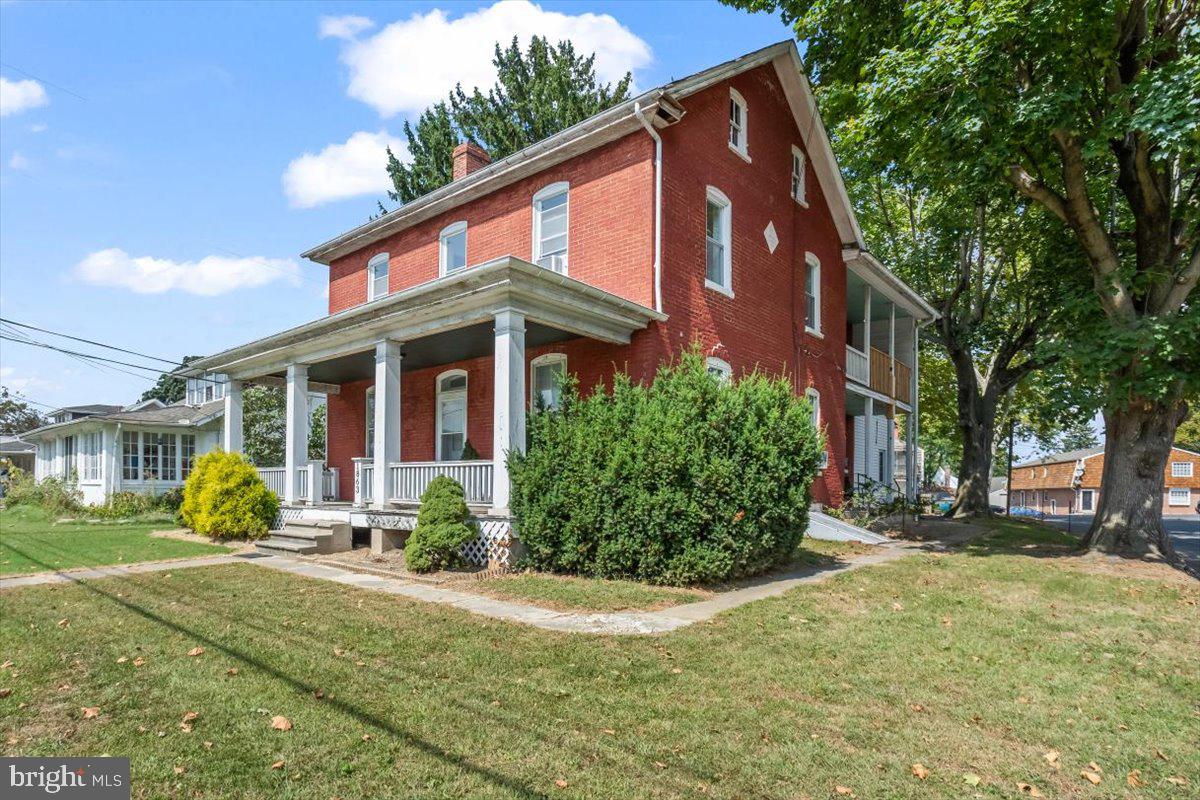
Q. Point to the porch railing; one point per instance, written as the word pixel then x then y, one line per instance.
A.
pixel 408 480
pixel 903 383
pixel 273 477
pixel 858 368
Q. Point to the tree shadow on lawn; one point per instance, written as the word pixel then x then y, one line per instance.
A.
pixel 304 687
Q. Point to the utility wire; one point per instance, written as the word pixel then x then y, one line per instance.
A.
pixel 43 80
pixel 173 362
pixel 89 356
pixel 25 339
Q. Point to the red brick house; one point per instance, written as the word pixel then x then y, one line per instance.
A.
pixel 1070 481
pixel 708 210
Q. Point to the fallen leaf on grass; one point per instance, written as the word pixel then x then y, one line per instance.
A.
pixel 137 662
pixel 366 737
pixel 1178 780
pixel 196 651
pixel 1090 777
pixel 660 765
pixel 6 664
pixel 180 770
pixel 897 607
pixel 1052 756
pixel 281 723
pixel 609 731
pixel 1094 767
pixel 845 790
pixel 1028 789
pixel 64 623
pixel 5 692
pixel 90 712
pixel 277 765
pixel 339 652
pixel 122 659
pixel 971 779
pixel 186 723
pixel 560 783
pixel 677 671
pixel 231 671
pixel 920 771
pixel 916 707
pixel 319 694
pixel 1134 778
pixel 1159 754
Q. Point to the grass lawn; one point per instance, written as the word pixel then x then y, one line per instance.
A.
pixel 31 542
pixel 975 664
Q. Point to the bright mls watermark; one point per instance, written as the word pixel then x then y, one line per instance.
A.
pixel 90 778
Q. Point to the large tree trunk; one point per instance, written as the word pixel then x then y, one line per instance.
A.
pixel 977 425
pixel 1137 446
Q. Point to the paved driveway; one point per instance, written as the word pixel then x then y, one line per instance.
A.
pixel 1184 531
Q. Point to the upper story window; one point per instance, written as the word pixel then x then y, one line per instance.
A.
pixel 550 209
pixel 206 388
pixel 798 189
pixel 718 242
pixel 545 373
pixel 738 124
pixel 1181 469
pixel 452 248
pixel 812 294
pixel 377 276
pixel 719 369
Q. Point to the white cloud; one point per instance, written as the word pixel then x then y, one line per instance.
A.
pixel 18 96
pixel 16 382
pixel 346 27
pixel 38 127
pixel 211 275
pixel 19 161
pixel 356 167
pixel 414 62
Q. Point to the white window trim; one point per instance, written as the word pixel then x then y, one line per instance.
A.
pixel 811 260
pixel 814 399
pixel 800 196
pixel 1181 469
pixel 438 395
pixel 713 194
pixel 724 371
pixel 1186 500
pixel 744 150
pixel 369 422
pixel 452 229
pixel 374 260
pixel 545 193
pixel 1079 503
pixel 541 361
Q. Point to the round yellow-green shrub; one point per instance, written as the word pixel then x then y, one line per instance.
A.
pixel 224 498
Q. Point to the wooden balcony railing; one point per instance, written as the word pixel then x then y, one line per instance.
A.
pixel 903 383
pixel 876 371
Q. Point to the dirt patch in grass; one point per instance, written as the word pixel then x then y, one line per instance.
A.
pixel 572 593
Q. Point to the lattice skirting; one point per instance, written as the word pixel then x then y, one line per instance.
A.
pixel 492 545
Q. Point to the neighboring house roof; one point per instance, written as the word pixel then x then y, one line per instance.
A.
pixel 14 444
pixel 94 408
pixel 178 415
pixel 1059 458
pixel 609 125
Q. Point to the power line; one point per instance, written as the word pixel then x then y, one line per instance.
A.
pixel 26 339
pixel 43 80
pixel 89 356
pixel 172 362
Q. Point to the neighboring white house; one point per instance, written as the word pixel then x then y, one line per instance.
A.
pixel 146 447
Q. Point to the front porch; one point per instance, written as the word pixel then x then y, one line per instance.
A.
pixel 433 380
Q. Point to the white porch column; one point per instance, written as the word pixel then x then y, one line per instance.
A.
pixel 387 417
pixel 892 353
pixel 231 434
pixel 296 437
pixel 509 413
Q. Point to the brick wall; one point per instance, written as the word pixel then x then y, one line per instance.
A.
pixel 1056 479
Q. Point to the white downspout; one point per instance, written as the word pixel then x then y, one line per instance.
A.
pixel 649 126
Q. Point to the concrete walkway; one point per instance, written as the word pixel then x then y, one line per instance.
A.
pixel 619 623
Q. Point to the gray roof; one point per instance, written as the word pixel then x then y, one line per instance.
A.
pixel 14 444
pixel 180 415
pixel 94 408
pixel 1058 458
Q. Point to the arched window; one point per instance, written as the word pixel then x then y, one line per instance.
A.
pixel 719 369
pixel 377 276
pixel 544 374
pixel 718 241
pixel 738 124
pixel 550 212
pixel 452 248
pixel 451 414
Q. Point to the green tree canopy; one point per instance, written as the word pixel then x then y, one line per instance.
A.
pixel 16 415
pixel 169 388
pixel 537 93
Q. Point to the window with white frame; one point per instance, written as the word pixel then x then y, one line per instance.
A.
pixel 130 456
pixel 550 217
pixel 1179 496
pixel 90 456
pixel 452 248
pixel 719 369
pixel 151 456
pixel 1181 469
pixel 187 454
pixel 545 374
pixel 168 451
pixel 738 125
pixel 370 423
pixel 814 400
pixel 718 241
pixel 451 415
pixel 798 188
pixel 377 276
pixel 1087 499
pixel 812 293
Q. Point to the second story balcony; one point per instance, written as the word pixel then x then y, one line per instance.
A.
pixel 880 342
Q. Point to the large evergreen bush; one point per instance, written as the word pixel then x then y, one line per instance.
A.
pixel 224 498
pixel 686 480
pixel 443 527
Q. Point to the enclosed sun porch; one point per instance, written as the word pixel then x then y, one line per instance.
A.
pixel 431 380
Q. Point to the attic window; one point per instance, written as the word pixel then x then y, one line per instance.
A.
pixel 738 120
pixel 798 188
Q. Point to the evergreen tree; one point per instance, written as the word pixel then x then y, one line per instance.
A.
pixel 169 388
pixel 537 93
pixel 1078 436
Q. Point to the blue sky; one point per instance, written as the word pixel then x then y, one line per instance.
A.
pixel 162 165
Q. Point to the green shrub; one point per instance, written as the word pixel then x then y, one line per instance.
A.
pixel 224 498
pixel 443 527
pixel 58 496
pixel 686 480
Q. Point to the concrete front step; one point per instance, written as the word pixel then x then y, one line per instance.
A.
pixel 308 536
pixel 284 547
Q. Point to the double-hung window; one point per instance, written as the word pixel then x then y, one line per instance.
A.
pixel 1087 499
pixel 550 213
pixel 718 242
pixel 452 248
pixel 545 375
pixel 130 461
pixel 798 188
pixel 451 415
pixel 187 454
pixel 738 125
pixel 812 294
pixel 151 456
pixel 377 276
pixel 1181 469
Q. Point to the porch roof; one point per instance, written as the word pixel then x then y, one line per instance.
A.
pixel 555 305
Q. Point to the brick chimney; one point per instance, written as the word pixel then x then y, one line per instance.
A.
pixel 469 157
